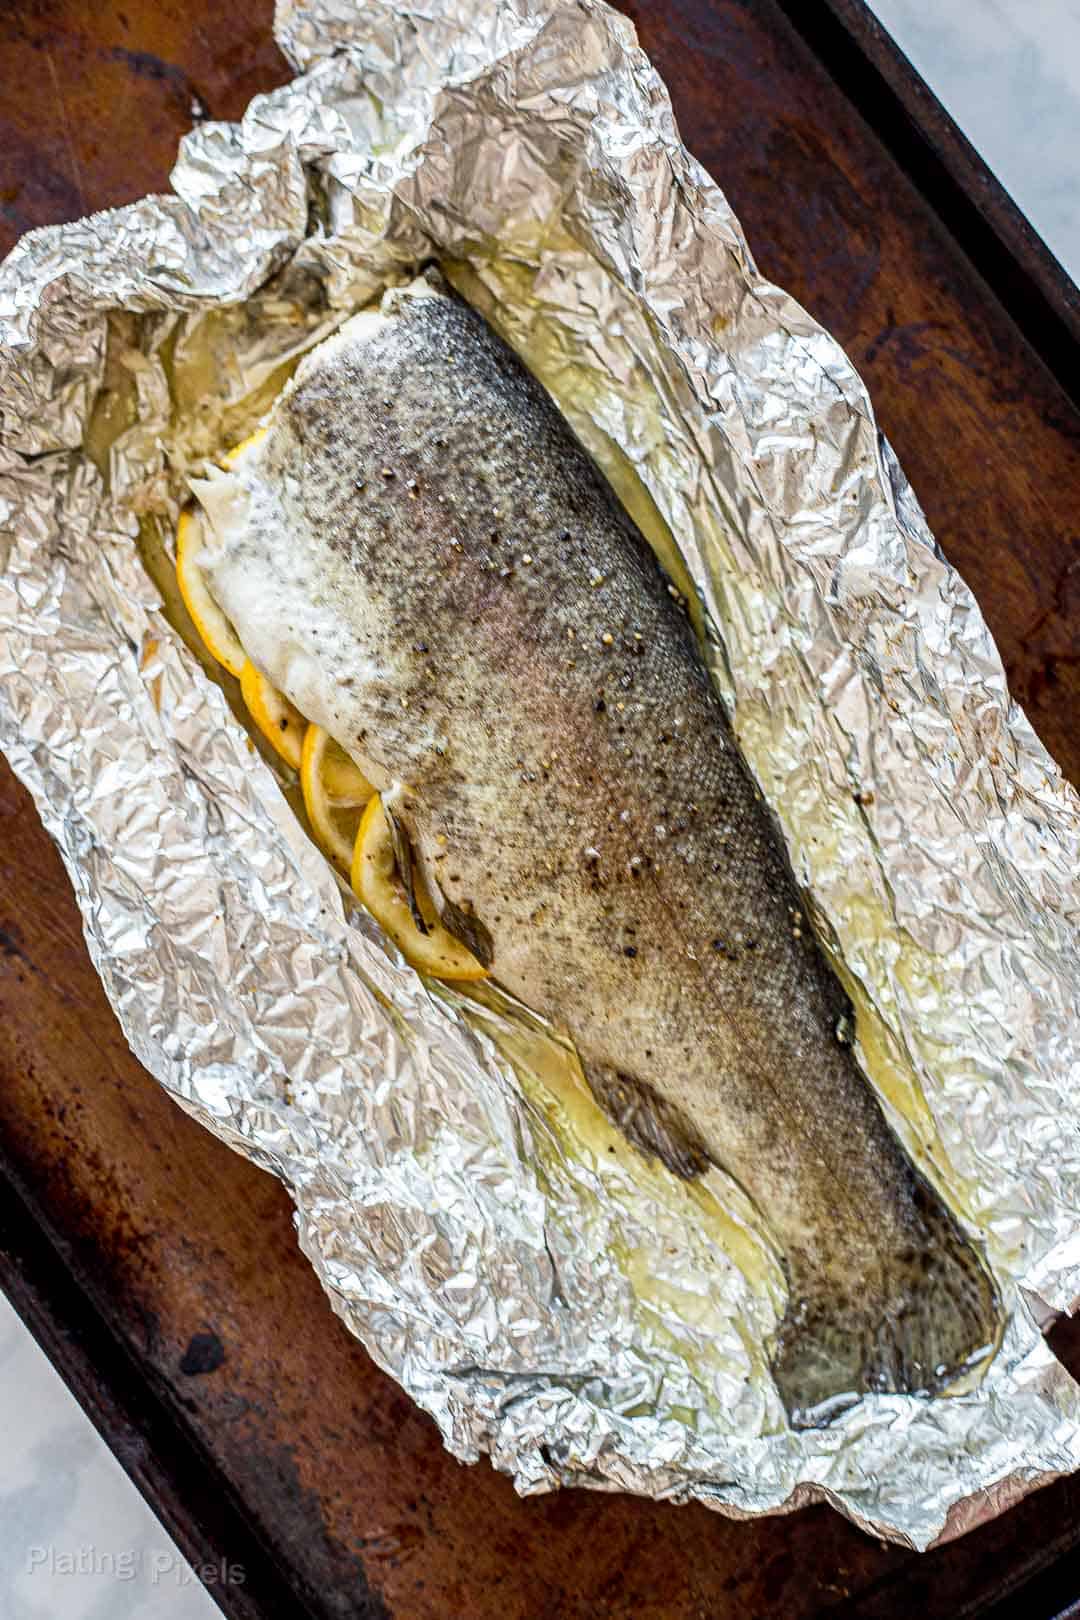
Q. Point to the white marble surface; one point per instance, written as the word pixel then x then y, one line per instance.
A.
pixel 77 1542
pixel 1009 73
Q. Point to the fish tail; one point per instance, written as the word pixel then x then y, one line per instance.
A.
pixel 928 1314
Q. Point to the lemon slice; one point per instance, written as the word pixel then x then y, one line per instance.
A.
pixel 232 456
pixel 344 781
pixel 376 884
pixel 335 792
pixel 217 633
pixel 279 721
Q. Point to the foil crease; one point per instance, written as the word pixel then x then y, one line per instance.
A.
pixel 545 1308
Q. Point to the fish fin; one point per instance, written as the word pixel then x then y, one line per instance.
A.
pixel 930 1314
pixel 649 1122
pixel 458 920
pixel 404 860
pixel 466 926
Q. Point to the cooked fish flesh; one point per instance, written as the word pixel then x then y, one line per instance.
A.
pixel 422 557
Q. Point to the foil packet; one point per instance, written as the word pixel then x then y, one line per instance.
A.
pixel 569 1311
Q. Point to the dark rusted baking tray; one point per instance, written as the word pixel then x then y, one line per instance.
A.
pixel 158 1269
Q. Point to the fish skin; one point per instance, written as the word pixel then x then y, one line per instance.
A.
pixel 535 704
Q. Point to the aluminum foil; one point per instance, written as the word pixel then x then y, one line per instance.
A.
pixel 582 1319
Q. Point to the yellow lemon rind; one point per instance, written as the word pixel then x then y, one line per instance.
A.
pixel 318 804
pixel 231 457
pixel 218 635
pixel 376 885
pixel 280 722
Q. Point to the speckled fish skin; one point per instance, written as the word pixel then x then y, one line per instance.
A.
pixel 566 774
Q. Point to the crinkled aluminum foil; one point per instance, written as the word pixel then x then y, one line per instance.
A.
pixel 564 1313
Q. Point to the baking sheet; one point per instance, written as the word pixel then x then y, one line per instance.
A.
pixel 689 378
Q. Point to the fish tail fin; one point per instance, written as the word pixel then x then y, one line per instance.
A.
pixel 930 1313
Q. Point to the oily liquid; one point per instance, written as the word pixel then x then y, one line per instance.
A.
pixel 718 1219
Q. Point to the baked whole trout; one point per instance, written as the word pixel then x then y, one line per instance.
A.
pixel 422 557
